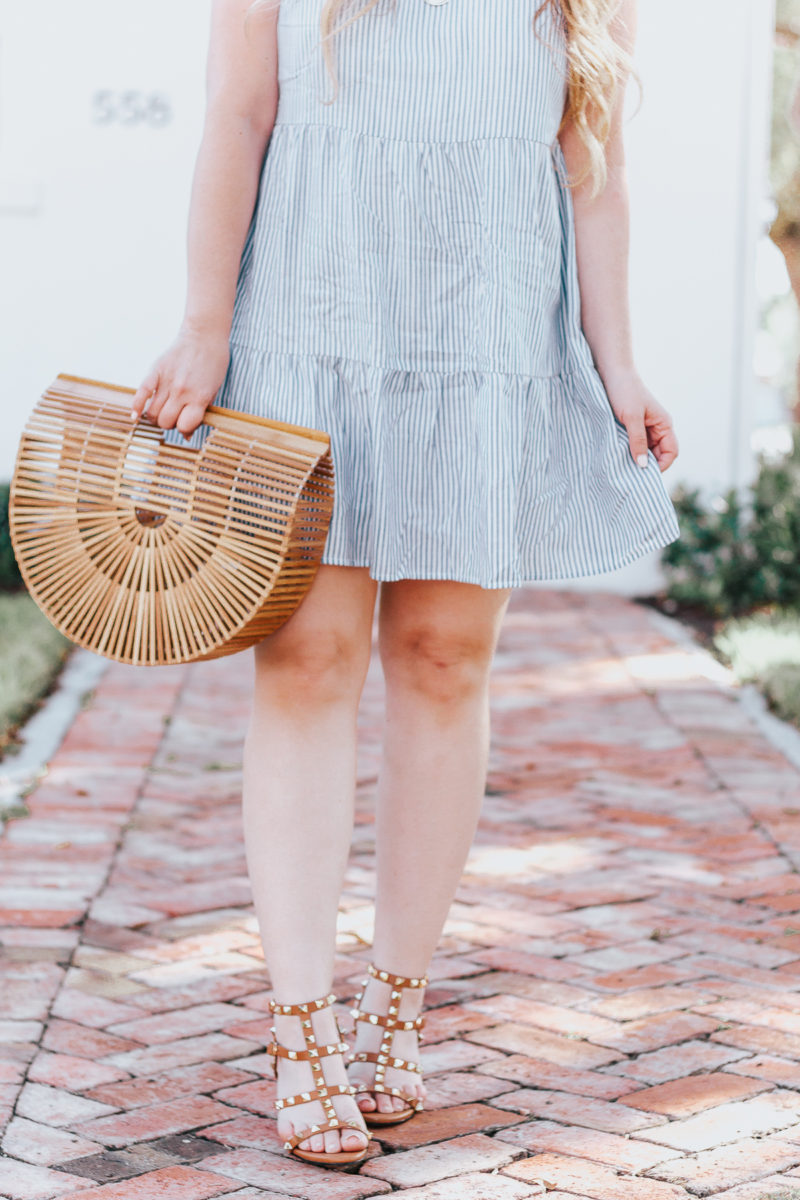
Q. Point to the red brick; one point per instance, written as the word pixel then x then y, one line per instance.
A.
pixel 55 1106
pixel 257 1097
pixel 440 1124
pixel 768 1113
pixel 693 1093
pixel 155 1120
pixel 450 1021
pixel 95 1011
pixel 673 1062
pixel 580 1142
pixel 41 918
pixel 184 1052
pixel 530 964
pixel 426 1164
pixel 455 1056
pixel 185 1022
pixel 183 1081
pixel 461 1087
pixel 523 1039
pixel 737 1162
pixel 643 1002
pixel 217 989
pixel 771 1187
pixel 247 1130
pixel 760 1040
pixel 539 1072
pixel 40 1144
pixel 769 1067
pixel 286 1174
pixel 66 1037
pixel 652 975
pixel 24 1181
pixel 574 1110
pixel 69 1071
pixel 556 1018
pixel 170 1183
pixel 591 1179
pixel 479 1186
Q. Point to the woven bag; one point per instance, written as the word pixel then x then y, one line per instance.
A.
pixel 148 552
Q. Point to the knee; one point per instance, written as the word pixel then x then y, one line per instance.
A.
pixel 310 669
pixel 443 666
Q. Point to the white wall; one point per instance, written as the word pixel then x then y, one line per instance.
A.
pixel 92 215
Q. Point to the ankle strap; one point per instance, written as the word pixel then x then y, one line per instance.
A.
pixel 301 1010
pixel 396 981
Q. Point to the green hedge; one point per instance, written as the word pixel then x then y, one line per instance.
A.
pixel 10 578
pixel 741 553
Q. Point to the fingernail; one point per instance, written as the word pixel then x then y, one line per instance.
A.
pixel 642 460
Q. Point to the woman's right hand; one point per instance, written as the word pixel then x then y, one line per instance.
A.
pixel 184 381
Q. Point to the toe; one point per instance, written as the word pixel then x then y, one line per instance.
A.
pixel 398 1103
pixel 316 1143
pixel 353 1139
pixel 332 1145
pixel 384 1102
pixel 366 1102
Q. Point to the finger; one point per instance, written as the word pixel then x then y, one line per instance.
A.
pixel 667 450
pixel 168 413
pixel 637 438
pixel 146 388
pixel 158 399
pixel 191 416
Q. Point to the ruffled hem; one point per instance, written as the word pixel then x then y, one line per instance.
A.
pixel 479 477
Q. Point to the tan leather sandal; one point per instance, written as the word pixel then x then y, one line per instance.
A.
pixel 383 1058
pixel 322 1090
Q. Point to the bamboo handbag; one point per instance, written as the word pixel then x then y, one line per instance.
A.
pixel 148 552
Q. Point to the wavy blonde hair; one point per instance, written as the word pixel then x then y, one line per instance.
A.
pixel 597 66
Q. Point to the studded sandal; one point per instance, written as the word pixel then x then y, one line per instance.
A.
pixel 383 1058
pixel 322 1091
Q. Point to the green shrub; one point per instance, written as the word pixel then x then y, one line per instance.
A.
pixel 781 686
pixel 31 654
pixel 740 553
pixel 10 577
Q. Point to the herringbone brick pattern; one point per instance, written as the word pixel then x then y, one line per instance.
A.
pixel 615 1006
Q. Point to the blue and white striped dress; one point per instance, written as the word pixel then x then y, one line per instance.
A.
pixel 409 285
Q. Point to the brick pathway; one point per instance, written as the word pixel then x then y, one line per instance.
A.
pixel 615 1006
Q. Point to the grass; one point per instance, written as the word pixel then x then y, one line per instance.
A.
pixel 764 649
pixel 32 652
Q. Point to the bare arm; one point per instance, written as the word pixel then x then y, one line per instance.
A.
pixel 242 97
pixel 602 241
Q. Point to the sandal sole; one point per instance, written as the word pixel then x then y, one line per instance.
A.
pixel 346 1162
pixel 376 1118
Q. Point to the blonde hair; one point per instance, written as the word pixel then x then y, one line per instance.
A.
pixel 596 67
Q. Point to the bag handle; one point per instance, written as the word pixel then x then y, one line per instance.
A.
pixel 226 420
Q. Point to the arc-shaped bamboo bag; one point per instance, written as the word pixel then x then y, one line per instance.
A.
pixel 152 553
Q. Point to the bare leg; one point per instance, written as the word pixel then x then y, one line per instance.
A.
pixel 299 783
pixel 437 640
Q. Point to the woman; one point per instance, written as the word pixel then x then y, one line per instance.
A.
pixel 430 263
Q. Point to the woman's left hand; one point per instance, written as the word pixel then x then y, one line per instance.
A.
pixel 649 425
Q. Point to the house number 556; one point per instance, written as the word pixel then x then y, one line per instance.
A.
pixel 111 107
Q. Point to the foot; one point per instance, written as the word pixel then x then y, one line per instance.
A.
pixel 294 1077
pixel 376 998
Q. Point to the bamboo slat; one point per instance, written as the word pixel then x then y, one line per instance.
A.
pixel 150 553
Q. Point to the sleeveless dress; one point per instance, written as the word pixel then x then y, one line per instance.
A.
pixel 409 285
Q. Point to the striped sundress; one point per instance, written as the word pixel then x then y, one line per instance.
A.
pixel 409 285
